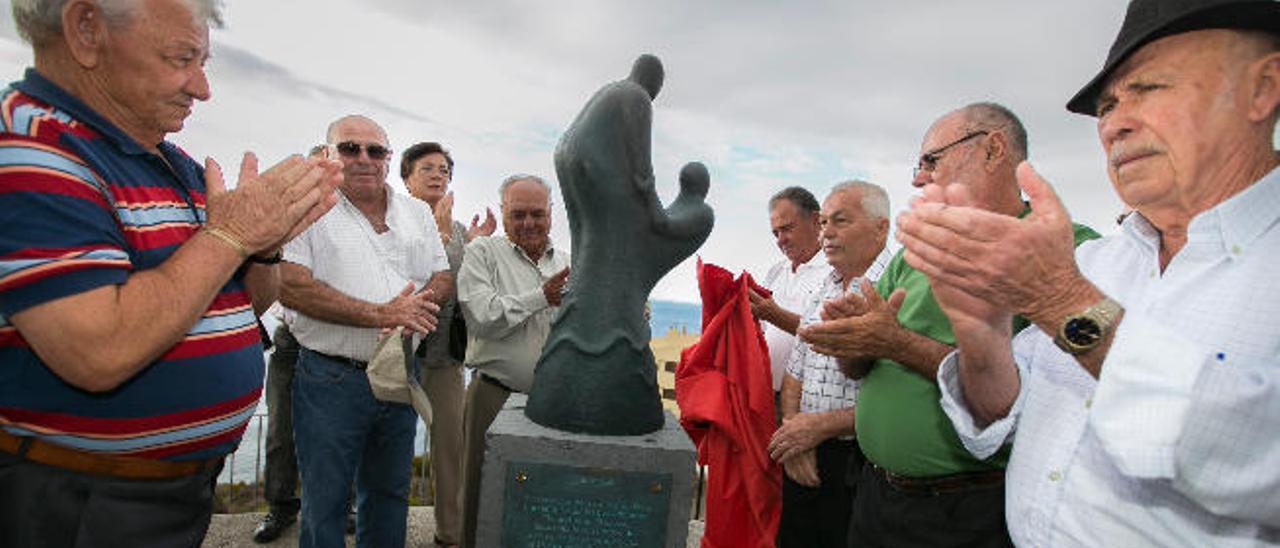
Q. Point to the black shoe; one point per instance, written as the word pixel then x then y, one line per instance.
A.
pixel 271 527
pixel 351 523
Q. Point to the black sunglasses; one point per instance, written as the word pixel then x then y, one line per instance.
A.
pixel 375 151
pixel 929 160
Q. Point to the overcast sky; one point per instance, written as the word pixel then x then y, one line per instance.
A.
pixel 766 94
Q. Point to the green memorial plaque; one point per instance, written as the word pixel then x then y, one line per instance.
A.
pixel 550 505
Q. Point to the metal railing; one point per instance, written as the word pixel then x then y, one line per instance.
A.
pixel 235 470
pixel 228 475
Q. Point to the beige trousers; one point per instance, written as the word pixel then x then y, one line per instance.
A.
pixel 443 386
pixel 484 401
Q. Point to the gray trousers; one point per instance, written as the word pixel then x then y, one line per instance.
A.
pixel 484 401
pixel 443 386
pixel 42 506
pixel 281 468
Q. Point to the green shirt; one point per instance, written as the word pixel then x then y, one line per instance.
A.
pixel 901 427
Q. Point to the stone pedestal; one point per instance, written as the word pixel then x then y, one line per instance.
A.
pixel 547 488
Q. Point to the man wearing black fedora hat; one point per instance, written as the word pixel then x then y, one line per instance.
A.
pixel 1146 400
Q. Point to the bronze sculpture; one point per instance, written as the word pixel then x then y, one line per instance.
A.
pixel 596 373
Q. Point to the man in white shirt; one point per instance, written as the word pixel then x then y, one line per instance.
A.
pixel 509 287
pixel 793 219
pixel 816 443
pixel 1143 411
pixel 374 262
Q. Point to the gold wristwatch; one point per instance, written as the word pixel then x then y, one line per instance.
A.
pixel 1081 332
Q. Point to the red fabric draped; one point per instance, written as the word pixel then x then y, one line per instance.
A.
pixel 725 394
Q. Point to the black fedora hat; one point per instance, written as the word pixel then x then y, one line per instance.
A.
pixel 1149 20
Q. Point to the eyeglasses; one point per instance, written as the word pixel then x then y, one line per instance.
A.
pixel 929 160
pixel 352 149
pixel 442 169
pixel 520 215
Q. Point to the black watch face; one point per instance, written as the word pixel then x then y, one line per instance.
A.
pixel 1082 331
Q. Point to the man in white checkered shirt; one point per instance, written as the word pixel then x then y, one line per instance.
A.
pixel 815 442
pixel 1144 408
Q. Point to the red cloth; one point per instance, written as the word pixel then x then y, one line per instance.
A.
pixel 725 393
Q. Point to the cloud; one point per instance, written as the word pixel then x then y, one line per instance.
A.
pixel 767 94
pixel 240 64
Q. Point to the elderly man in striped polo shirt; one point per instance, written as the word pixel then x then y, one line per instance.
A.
pixel 129 280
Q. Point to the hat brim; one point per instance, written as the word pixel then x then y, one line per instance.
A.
pixel 1260 16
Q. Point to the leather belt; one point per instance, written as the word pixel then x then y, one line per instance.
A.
pixel 940 485
pixel 349 362
pixel 119 466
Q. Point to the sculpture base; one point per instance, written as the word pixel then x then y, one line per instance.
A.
pixel 614 393
pixel 545 487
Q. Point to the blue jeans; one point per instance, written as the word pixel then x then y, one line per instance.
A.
pixel 342 432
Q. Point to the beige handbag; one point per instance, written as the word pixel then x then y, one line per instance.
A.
pixel 391 373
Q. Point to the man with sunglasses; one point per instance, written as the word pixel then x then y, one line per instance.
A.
pixel 919 485
pixel 373 263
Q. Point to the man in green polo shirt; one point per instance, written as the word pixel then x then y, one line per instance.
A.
pixel 920 486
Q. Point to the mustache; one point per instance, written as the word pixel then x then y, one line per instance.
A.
pixel 1125 153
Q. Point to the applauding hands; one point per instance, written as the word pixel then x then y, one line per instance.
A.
pixel 267 209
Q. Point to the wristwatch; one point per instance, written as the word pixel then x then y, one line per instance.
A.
pixel 274 259
pixel 1082 331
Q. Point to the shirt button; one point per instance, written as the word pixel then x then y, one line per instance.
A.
pixel 1054 476
pixel 1235 250
pixel 1088 403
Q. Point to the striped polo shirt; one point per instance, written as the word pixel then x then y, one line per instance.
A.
pixel 83 206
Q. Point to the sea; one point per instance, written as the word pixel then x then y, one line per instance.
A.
pixel 245 465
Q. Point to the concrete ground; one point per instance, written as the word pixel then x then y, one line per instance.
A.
pixel 236 531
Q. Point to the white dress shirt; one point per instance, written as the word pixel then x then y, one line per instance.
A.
pixel 791 291
pixel 342 250
pixel 508 317
pixel 1178 442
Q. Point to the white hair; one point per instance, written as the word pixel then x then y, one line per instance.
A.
pixel 875 201
pixel 506 183
pixel 39 21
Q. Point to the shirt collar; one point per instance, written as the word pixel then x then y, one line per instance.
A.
pixel 550 251
pixel 883 258
pixel 834 277
pixel 36 85
pixel 342 197
pixel 1233 224
pixel 1138 228
pixel 818 259
pixel 1240 220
